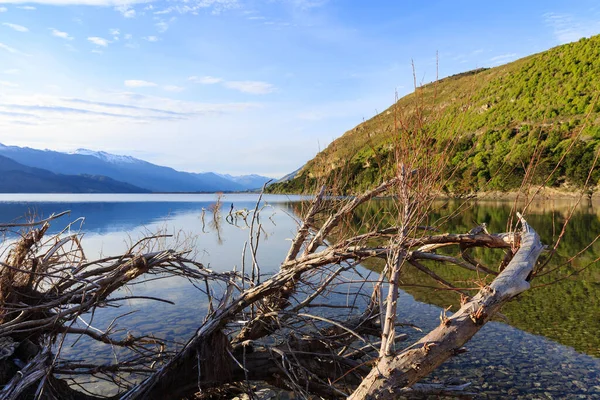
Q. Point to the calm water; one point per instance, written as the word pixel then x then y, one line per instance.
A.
pixel 548 349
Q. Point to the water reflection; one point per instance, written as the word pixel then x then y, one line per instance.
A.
pixel 567 311
pixel 503 361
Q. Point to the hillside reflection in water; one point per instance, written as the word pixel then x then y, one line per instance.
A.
pixel 502 360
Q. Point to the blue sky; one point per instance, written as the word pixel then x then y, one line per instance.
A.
pixel 243 86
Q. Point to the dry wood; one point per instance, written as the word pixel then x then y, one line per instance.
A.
pixel 394 372
pixel 47 284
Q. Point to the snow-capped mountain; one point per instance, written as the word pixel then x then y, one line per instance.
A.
pixel 126 169
pixel 19 178
pixel 102 155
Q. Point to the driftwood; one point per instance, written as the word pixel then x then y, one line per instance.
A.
pixel 407 368
pixel 266 329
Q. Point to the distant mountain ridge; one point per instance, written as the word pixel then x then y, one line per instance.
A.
pixel 102 155
pixel 19 178
pixel 252 181
pixel 127 169
pixel 289 176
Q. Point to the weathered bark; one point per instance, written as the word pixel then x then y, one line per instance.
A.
pixel 333 354
pixel 394 372
pixel 263 325
pixel 183 368
pixel 29 376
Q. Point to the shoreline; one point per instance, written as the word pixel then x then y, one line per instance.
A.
pixel 494 195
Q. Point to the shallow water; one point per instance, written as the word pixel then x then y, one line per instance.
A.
pixel 549 349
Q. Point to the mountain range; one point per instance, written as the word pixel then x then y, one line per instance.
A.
pixel 96 171
pixel 489 122
pixel 19 178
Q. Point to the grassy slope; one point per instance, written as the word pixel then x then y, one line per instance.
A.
pixel 500 114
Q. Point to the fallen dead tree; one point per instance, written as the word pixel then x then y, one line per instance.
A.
pixel 283 329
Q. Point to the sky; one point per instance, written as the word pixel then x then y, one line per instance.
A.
pixel 244 86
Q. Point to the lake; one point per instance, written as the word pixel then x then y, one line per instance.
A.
pixel 549 348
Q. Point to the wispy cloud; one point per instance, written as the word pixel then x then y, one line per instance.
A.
pixel 64 111
pixel 18 28
pixel 11 71
pixel 115 34
pixel 11 49
pixel 567 28
pixel 126 106
pixel 163 25
pixel 307 4
pixel 193 7
pixel 173 88
pixel 45 109
pixel 3 9
pixel 252 87
pixel 103 3
pixel 16 115
pixel 129 42
pixel 61 34
pixel 127 7
pixel 8 48
pixel 98 41
pixel 8 84
pixel 151 38
pixel 126 10
pixel 134 83
pixel 205 80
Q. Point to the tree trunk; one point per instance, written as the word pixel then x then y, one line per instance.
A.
pixel 394 372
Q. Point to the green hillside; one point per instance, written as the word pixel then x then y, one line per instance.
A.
pixel 499 116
